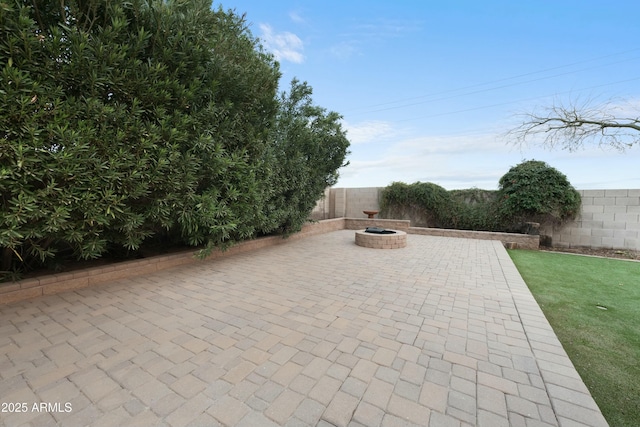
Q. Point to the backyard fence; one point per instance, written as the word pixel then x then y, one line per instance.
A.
pixel 608 218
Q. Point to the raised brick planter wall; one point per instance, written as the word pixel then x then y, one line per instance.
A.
pixel 515 241
pixel 519 241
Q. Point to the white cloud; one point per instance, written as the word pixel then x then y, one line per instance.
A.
pixel 458 161
pixel 624 109
pixel 367 132
pixel 344 50
pixel 363 34
pixel 381 29
pixel 455 144
pixel 450 173
pixel 476 160
pixel 296 17
pixel 285 46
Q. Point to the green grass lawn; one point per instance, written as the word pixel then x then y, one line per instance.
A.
pixel 593 305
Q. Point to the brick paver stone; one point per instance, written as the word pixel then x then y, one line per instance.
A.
pixel 312 331
pixel 340 409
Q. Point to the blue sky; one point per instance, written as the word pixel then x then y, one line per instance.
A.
pixel 428 89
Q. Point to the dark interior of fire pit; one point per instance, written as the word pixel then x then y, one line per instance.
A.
pixel 378 230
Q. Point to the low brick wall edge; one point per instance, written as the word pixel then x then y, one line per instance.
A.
pixel 46 285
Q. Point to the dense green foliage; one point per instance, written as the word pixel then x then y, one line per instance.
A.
pixel 593 305
pixel 307 149
pixel 534 191
pixel 531 191
pixel 123 123
pixel 474 209
pixel 426 200
pixel 428 204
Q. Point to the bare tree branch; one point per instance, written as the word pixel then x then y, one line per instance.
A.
pixel 572 127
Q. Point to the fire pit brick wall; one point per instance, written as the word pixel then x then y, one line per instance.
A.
pixel 381 241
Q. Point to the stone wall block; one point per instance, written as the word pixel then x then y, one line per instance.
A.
pixel 628 201
pixel 612 242
pixel 615 209
pixel 593 209
pixel 593 193
pixel 604 201
pixel 616 193
pixel 614 225
pixel 586 201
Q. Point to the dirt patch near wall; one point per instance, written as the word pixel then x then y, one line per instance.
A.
pixel 601 252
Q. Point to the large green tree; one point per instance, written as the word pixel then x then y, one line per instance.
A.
pixel 124 121
pixel 308 146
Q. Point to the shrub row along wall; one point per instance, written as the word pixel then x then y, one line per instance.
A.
pixel 608 218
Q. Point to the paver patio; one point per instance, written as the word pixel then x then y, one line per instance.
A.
pixel 316 331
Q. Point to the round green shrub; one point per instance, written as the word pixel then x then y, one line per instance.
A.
pixel 535 191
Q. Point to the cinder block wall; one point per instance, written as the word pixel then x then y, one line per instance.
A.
pixel 322 209
pixel 608 219
pixel 338 203
pixel 361 199
pixel 347 203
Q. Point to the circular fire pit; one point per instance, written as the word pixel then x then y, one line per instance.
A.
pixel 387 239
